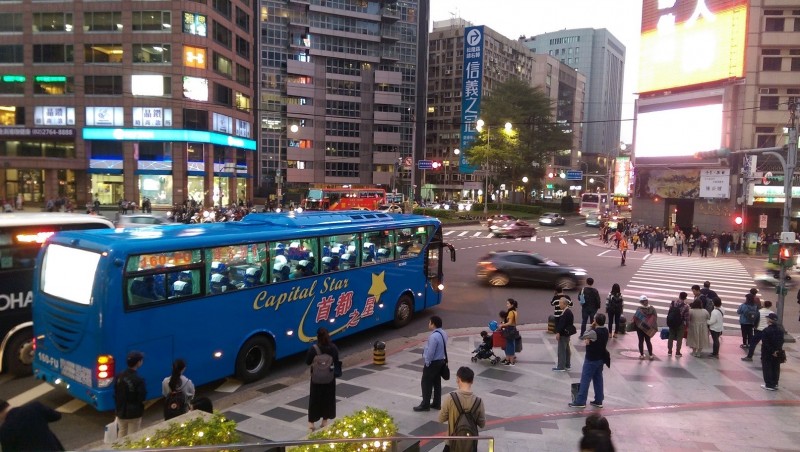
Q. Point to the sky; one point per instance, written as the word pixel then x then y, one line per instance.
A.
pixel 513 18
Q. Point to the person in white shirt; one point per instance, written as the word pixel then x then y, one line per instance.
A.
pixel 715 326
pixel 760 325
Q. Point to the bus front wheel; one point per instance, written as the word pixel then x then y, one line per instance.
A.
pixel 19 354
pixel 254 359
pixel 403 312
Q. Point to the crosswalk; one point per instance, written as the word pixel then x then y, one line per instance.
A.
pixel 662 278
pixel 551 238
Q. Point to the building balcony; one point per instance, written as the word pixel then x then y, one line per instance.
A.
pixel 780 39
pixel 303 133
pixel 390 33
pixel 299 175
pixel 390 55
pixel 302 154
pixel 772 78
pixel 298 19
pixel 385 158
pixel 381 178
pixel 388 98
pixel 300 89
pixel 771 116
pixel 390 14
pixel 386 138
pixel 297 109
pixel 389 77
pixel 300 2
pixel 295 67
pixel 386 116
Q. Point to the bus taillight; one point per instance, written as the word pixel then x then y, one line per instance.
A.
pixel 104 370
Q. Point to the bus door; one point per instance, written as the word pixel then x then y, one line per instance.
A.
pixel 434 284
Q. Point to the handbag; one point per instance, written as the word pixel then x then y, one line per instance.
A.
pixel 444 372
pixel 780 355
pixel 518 344
pixel 510 332
pixel 337 368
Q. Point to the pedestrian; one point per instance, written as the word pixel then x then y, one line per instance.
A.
pixel 680 239
pixel 635 240
pixel 677 322
pixel 623 248
pixel 26 428
pixel 130 392
pixel 177 388
pixel 434 358
pixel 323 358
pixel 463 400
pixel 614 306
pixel 555 301
pixel 646 321
pixel 510 333
pixel 596 434
pixel 759 329
pixel 715 245
pixel 708 292
pixel 670 243
pixel 565 327
pixel 697 336
pixel 596 340
pixel 705 302
pixel 590 303
pixel 702 243
pixel 771 345
pixel 748 318
pixel 715 327
pixel 691 243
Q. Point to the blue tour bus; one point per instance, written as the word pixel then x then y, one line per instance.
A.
pixel 227 297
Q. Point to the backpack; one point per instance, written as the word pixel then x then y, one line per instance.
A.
pixel 751 315
pixel 466 425
pixel 674 318
pixel 175 404
pixel 615 303
pixel 321 367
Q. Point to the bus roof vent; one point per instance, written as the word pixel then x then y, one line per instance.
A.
pixel 307 219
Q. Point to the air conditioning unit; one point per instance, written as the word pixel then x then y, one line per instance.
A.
pixel 763 91
pixel 447 72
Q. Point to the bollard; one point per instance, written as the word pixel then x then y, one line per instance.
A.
pixel 379 353
pixel 622 324
pixel 551 324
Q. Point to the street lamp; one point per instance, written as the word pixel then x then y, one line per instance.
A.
pixel 479 127
pixel 279 171
pixel 525 188
pixel 456 152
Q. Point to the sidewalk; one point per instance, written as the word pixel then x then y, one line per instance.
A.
pixel 670 403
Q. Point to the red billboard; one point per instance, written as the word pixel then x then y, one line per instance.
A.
pixel 691 42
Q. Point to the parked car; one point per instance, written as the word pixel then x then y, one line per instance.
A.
pixel 513 228
pixel 499 218
pixel 500 268
pixel 552 219
pixel 390 208
pixel 139 220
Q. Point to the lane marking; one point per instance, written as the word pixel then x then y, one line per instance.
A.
pixel 581 242
pixel 547 240
pixel 448 232
pixel 562 240
pixel 71 406
pixel 463 234
pixel 477 234
pixel 31 394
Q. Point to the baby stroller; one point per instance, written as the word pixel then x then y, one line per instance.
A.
pixel 484 350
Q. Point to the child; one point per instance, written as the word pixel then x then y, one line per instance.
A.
pixel 487 339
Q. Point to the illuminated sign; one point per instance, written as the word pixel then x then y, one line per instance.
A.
pixel 25 132
pixel 196 136
pixel 194 57
pixel 195 24
pixel 147 85
pixel 195 88
pixel 14 79
pixel 242 128
pixel 471 91
pixel 699 122
pixel 105 116
pixel 768 193
pixel 715 183
pixel 152 117
pixel 50 78
pixel 622 175
pixel 54 116
pixel 689 42
pixel 221 123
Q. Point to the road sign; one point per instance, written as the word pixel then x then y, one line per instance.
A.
pixel 574 175
pixel 425 164
pixel 762 221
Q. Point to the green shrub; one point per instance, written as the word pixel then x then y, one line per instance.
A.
pixel 367 423
pixel 199 431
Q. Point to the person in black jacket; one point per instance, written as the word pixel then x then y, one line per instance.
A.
pixel 771 343
pixel 130 393
pixel 322 396
pixel 565 327
pixel 26 428
pixel 590 304
pixel 596 340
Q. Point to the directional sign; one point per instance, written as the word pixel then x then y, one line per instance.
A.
pixel 425 164
pixel 574 175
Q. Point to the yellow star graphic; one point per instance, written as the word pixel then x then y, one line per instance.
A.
pixel 378 286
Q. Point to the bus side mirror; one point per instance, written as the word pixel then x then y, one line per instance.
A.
pixel 452 251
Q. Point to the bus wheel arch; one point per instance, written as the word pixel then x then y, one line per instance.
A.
pixel 18 354
pixel 404 311
pixel 255 358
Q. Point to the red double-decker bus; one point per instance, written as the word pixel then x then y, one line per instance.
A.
pixel 344 198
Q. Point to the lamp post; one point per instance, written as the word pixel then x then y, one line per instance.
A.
pixel 279 171
pixel 479 127
pixel 525 188
pixel 449 163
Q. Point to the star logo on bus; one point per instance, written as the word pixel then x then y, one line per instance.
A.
pixel 378 285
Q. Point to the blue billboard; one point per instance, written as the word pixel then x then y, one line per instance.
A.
pixel 471 92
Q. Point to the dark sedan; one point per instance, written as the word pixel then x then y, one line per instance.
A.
pixel 500 268
pixel 514 229
pixel 552 219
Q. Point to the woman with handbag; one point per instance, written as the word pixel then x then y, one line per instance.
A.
pixel 322 396
pixel 510 332
pixel 614 305
pixel 646 322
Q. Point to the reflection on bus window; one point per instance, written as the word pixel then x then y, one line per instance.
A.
pixel 340 252
pixel 235 267
pixel 379 246
pixel 294 259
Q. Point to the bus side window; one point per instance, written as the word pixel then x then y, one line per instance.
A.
pixel 278 262
pixel 186 283
pixel 377 247
pixel 142 290
pixel 404 242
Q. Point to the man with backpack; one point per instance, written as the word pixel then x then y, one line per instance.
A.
pixel 464 413
pixel 706 302
pixel 590 303
pixel 677 322
pixel 130 393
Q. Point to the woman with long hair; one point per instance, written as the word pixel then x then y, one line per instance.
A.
pixel 614 309
pixel 322 395
pixel 510 332
pixel 177 383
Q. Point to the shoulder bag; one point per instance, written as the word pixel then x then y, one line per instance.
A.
pixel 445 371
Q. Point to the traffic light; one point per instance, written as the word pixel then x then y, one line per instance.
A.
pixel 786 253
pixel 436 165
pixel 715 154
pixel 738 220
pixel 550 175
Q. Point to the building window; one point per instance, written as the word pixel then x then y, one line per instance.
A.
pixel 9 86
pixel 152 21
pixel 242 47
pixel 242 75
pixel 771 64
pixel 223 7
pixel 53 53
pixel 222 94
pixel 243 101
pixel 103 85
pixel 11 23
pixel 195 119
pixel 102 21
pixel 222 35
pixel 774 24
pixel 796 63
pixel 52 22
pixel 242 19
pixel 12 116
pixel 768 102
pixel 53 85
pixel 102 53
pixel 223 65
pixel 340 169
pixel 10 54
pixel 152 53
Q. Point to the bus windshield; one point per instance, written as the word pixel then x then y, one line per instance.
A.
pixel 269 282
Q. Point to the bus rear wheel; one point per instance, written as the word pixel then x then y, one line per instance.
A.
pixel 19 355
pixel 254 359
pixel 403 312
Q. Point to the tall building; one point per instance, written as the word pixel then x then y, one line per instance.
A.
pixel 601 57
pixel 502 58
pixel 119 100
pixel 339 82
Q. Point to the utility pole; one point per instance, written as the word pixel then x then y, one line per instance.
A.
pixel 788 175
